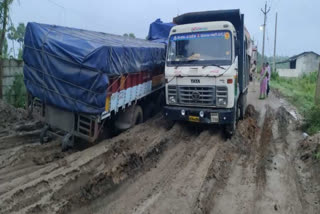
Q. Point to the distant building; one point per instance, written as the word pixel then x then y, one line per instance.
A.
pixel 303 63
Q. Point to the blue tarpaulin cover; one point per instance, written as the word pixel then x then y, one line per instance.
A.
pixel 159 31
pixel 70 68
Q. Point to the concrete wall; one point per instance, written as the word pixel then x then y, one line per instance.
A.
pixel 307 63
pixel 11 68
pixel 286 72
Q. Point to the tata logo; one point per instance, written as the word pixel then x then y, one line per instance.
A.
pixel 195 81
pixel 195 96
pixel 199 28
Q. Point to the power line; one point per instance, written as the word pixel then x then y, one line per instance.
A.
pixel 61 7
pixel 81 14
pixel 58 5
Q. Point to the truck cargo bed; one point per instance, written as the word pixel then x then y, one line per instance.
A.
pixel 72 69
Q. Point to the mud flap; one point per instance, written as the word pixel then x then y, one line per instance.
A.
pixel 243 105
pixel 231 128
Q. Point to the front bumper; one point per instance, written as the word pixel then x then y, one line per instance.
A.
pixel 225 116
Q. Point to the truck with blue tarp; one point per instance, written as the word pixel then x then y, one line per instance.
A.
pixel 87 82
pixel 207 68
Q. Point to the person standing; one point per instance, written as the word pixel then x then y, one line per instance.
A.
pixel 253 70
pixel 263 82
pixel 269 77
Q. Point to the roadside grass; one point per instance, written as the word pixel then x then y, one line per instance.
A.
pixel 317 155
pixel 300 92
pixel 16 94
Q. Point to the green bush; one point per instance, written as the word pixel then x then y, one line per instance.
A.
pixel 274 76
pixel 312 118
pixel 16 94
pixel 300 92
pixel 317 155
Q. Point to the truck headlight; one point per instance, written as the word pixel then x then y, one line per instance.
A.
pixel 172 99
pixel 222 96
pixel 222 101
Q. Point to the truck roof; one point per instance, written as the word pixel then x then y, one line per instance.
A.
pixel 202 26
pixel 232 16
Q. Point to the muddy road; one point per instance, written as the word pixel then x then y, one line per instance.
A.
pixel 159 167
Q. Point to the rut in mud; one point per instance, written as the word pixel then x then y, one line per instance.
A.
pixel 159 167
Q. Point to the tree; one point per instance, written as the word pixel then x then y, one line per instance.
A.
pixel 4 16
pixel 5 52
pixel 12 35
pixel 17 34
pixel 21 29
pixel 131 35
pixel 5 48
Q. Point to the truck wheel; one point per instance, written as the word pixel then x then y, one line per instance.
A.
pixel 128 118
pixel 67 142
pixel 231 128
pixel 243 105
pixel 138 116
pixel 43 134
pixel 160 102
pixel 29 105
pixel 148 111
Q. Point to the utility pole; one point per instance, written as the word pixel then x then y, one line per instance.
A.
pixel 265 12
pixel 257 54
pixel 275 44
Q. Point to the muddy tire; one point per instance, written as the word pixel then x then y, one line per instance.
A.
pixel 160 102
pixel 138 116
pixel 29 105
pixel 242 106
pixel 67 142
pixel 231 128
pixel 148 111
pixel 44 134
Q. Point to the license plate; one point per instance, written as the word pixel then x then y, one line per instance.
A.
pixel 194 119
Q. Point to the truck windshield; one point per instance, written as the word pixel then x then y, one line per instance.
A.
pixel 200 48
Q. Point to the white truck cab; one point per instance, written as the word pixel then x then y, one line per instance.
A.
pixel 201 72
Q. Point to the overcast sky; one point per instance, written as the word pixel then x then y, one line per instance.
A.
pixel 297 28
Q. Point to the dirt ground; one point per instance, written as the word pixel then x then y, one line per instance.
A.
pixel 268 166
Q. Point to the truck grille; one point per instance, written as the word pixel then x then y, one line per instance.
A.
pixel 222 91
pixel 172 90
pixel 197 95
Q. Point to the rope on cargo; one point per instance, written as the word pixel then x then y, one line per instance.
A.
pixel 69 83
pixel 72 63
pixel 58 57
pixel 42 48
pixel 43 52
pixel 118 79
pixel 48 89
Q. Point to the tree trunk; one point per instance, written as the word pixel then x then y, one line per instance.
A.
pixel 4 25
pixel 3 34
